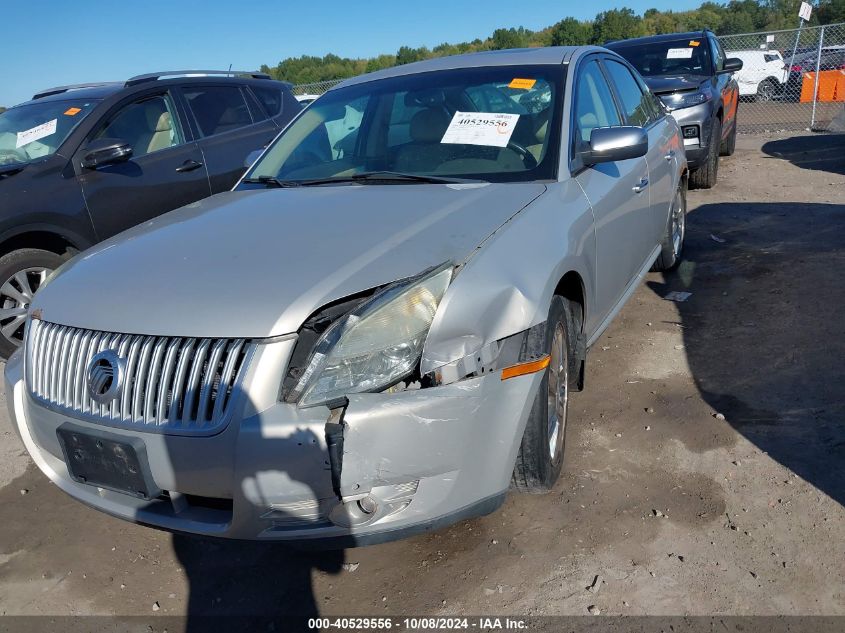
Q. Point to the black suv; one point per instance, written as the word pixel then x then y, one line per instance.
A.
pixel 691 75
pixel 81 163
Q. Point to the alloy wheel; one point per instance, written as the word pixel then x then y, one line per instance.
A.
pixel 15 296
pixel 678 224
pixel 558 390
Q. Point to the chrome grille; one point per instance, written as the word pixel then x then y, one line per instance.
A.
pixel 178 385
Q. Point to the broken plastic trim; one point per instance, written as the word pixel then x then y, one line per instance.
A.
pixel 506 352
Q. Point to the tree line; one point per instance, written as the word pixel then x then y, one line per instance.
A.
pixel 737 16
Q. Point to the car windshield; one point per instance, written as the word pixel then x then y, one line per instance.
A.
pixel 496 124
pixel 668 58
pixel 37 129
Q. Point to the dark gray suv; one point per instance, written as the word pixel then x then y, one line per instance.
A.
pixel 81 163
pixel 693 77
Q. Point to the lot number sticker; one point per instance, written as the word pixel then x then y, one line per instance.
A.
pixel 38 132
pixel 480 128
pixel 679 53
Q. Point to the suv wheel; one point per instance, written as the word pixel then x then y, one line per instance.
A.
pixel 21 273
pixel 540 457
pixel 705 176
pixel 728 146
pixel 766 90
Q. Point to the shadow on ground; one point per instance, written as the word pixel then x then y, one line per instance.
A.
pixel 764 330
pixel 821 152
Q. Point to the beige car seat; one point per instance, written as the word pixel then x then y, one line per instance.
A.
pixel 162 130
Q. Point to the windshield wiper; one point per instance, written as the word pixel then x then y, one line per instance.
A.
pixel 11 168
pixel 388 177
pixel 270 181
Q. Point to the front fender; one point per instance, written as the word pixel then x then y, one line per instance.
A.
pixel 507 284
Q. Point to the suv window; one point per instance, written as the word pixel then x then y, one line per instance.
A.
pixel 636 105
pixel 148 125
pixel 270 98
pixel 218 109
pixel 718 54
pixel 594 105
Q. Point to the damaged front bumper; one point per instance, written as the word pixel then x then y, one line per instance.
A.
pixel 385 466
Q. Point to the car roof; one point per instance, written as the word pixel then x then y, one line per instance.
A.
pixel 665 37
pixel 506 57
pixel 100 91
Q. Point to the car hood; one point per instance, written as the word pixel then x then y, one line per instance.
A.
pixel 665 85
pixel 257 263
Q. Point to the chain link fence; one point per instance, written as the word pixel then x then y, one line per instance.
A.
pixel 314 89
pixel 790 80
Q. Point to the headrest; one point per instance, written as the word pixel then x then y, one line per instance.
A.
pixel 429 125
pixel 164 123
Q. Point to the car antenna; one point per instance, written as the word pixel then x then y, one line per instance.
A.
pixel 230 70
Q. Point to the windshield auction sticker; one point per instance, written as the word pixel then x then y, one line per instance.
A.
pixel 35 133
pixel 480 128
pixel 679 53
pixel 522 84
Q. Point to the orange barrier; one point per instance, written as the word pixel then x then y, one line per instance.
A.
pixel 839 94
pixel 831 86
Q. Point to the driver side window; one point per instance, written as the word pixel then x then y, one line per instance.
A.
pixel 147 125
pixel 594 104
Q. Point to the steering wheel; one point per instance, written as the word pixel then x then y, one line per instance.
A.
pixel 8 156
pixel 527 157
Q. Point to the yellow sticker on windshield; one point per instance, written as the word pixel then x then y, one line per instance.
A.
pixel 522 84
pixel 694 43
pixel 73 111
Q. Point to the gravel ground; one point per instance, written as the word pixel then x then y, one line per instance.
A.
pixel 704 460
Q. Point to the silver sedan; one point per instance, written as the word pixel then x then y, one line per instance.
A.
pixel 376 333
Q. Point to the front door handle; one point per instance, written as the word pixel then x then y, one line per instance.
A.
pixel 188 165
pixel 641 186
pixel 670 155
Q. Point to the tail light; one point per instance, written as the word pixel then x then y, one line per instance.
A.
pixel 796 68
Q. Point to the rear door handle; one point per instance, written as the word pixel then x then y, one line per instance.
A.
pixel 670 155
pixel 188 165
pixel 641 186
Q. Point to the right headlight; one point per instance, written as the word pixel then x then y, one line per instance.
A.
pixel 680 100
pixel 376 345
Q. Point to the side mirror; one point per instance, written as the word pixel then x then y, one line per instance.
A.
pixel 732 64
pixel 610 144
pixel 252 157
pixel 106 151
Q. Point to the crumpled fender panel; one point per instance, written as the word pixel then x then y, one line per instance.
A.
pixel 506 285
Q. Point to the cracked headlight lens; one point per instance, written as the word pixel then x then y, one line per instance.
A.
pixel 376 345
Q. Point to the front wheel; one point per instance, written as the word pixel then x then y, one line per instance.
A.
pixel 540 457
pixel 672 244
pixel 21 273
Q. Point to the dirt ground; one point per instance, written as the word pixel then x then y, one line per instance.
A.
pixel 677 510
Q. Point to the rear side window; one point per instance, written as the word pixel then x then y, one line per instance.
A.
pixel 218 109
pixel 635 103
pixel 270 98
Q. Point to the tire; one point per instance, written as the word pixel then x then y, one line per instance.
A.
pixel 705 176
pixel 766 90
pixel 21 273
pixel 728 146
pixel 540 458
pixel 672 245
